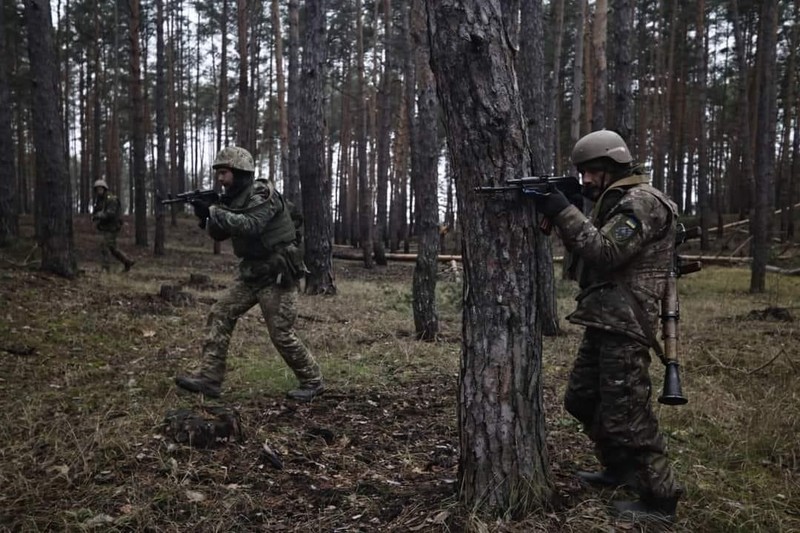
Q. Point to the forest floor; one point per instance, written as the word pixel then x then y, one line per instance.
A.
pixel 86 380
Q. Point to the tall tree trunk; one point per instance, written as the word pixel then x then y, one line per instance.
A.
pixel 9 207
pixel 622 41
pixel 413 41
pixel 242 108
pixel 384 132
pixel 316 183
pixel 426 321
pixel 504 465
pixel 364 189
pixel 577 75
pixel 745 170
pixel 161 137
pixel 530 64
pixel 292 189
pixel 600 77
pixel 138 127
pixel 53 191
pixel 283 126
pixel 765 147
pixel 703 200
pixel 554 96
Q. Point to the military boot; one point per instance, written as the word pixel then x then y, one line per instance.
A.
pixel 654 510
pixel 610 477
pixel 199 383
pixel 306 391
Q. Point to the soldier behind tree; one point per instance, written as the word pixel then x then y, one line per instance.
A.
pixel 624 255
pixel 264 236
pixel 107 216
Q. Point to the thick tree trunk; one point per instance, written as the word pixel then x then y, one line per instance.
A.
pixel 530 65
pixel 384 132
pixel 504 464
pixel 316 184
pixel 53 192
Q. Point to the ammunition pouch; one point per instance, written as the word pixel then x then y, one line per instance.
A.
pixel 283 267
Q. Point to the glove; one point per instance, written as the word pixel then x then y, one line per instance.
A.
pixel 550 203
pixel 201 210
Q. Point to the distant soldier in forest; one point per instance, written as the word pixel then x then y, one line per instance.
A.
pixel 267 236
pixel 624 256
pixel 107 216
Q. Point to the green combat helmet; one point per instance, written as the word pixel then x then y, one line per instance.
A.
pixel 235 158
pixel 602 143
pixel 100 183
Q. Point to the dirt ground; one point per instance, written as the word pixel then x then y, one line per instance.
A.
pixel 86 370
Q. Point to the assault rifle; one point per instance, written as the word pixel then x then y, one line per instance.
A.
pixel 670 315
pixel 209 195
pixel 569 185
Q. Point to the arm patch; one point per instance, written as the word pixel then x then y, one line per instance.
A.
pixel 624 228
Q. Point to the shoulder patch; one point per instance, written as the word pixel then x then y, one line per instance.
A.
pixel 625 228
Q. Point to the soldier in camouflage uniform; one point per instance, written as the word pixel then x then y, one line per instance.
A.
pixel 106 214
pixel 259 223
pixel 624 255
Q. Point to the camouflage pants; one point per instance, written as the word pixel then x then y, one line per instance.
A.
pixel 278 305
pixel 609 392
pixel 108 247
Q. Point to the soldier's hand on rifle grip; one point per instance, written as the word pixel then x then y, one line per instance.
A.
pixel 550 203
pixel 201 210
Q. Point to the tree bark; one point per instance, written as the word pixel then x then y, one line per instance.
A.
pixel 53 191
pixel 530 66
pixel 283 125
pixel 622 40
pixel 292 187
pixel 426 321
pixel 504 463
pixel 765 146
pixel 316 184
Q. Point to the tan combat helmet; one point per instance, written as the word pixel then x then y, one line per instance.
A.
pixel 602 143
pixel 235 158
pixel 100 183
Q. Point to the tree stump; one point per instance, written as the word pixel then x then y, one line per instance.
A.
pixel 204 427
pixel 174 295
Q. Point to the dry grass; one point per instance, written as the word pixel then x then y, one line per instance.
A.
pixel 81 446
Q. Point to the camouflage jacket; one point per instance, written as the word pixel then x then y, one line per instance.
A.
pixel 106 213
pixel 625 254
pixel 260 227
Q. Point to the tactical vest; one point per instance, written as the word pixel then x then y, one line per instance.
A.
pixel 280 230
pixel 609 298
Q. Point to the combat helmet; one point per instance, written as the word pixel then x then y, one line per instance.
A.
pixel 236 158
pixel 601 143
pixel 100 183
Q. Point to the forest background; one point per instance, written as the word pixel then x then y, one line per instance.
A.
pixel 338 102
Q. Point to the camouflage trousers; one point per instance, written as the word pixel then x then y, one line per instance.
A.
pixel 279 307
pixel 108 247
pixel 609 392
